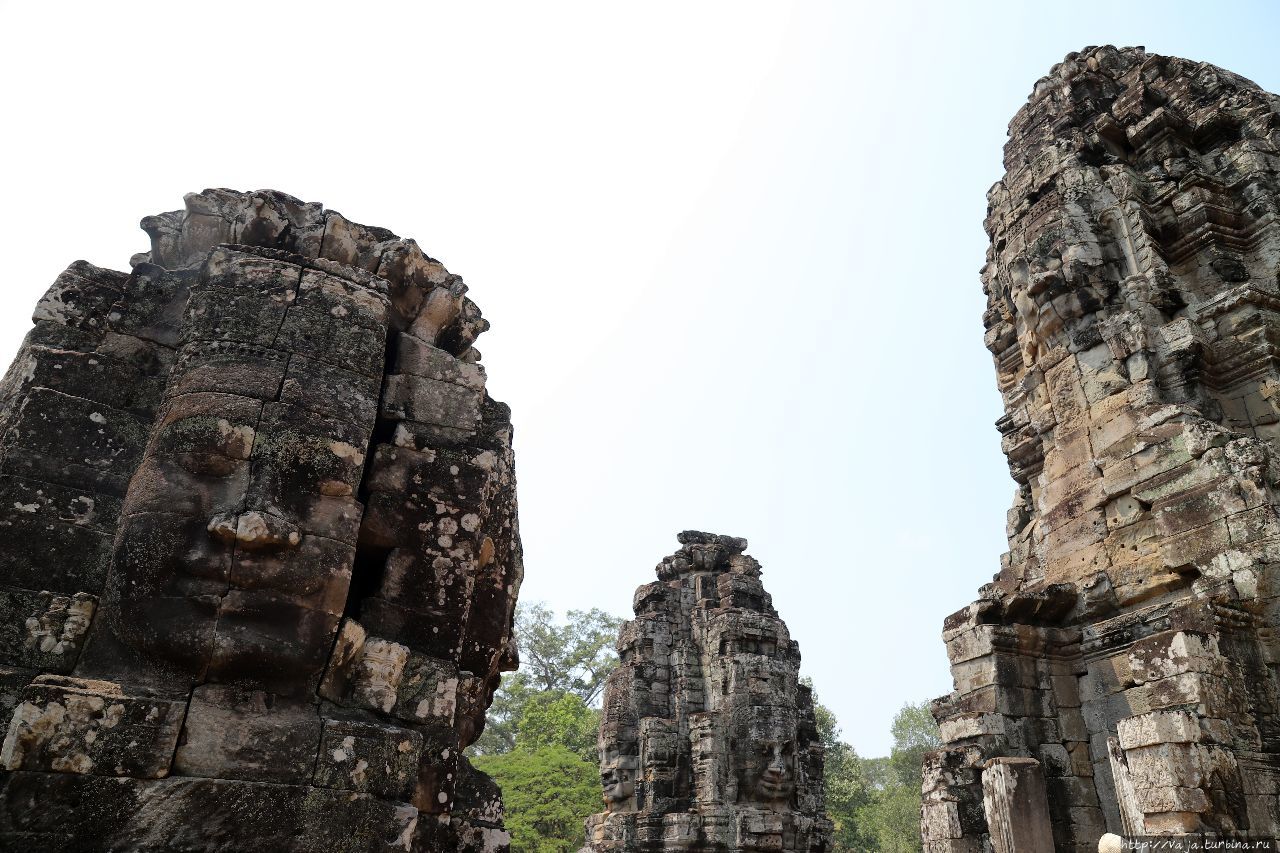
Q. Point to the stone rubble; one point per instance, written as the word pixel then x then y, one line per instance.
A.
pixel 260 555
pixel 708 740
pixel 1125 654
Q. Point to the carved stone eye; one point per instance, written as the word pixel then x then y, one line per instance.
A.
pixel 207 464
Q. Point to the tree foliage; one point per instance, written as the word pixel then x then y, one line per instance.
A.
pixel 891 817
pixel 499 733
pixel 539 743
pixel 573 657
pixel 551 719
pixel 875 802
pixel 548 792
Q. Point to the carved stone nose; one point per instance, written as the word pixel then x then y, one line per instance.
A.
pixel 252 529
pixel 223 526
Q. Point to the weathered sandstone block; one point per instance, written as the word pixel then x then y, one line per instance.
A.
pixel 73 725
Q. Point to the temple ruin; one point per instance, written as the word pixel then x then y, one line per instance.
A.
pixel 1118 675
pixel 260 552
pixel 708 740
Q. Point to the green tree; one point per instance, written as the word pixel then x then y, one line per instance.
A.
pixel 877 773
pixel 575 656
pixel 890 819
pixel 843 775
pixel 570 657
pixel 539 743
pixel 551 719
pixel 914 734
pixel 847 792
pixel 548 792
pixel 828 725
pixel 508 703
pixel 875 802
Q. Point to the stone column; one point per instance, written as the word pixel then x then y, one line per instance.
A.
pixel 1017 806
pixel 1126 797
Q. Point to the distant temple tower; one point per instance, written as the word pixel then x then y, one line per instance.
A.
pixel 1119 673
pixel 708 740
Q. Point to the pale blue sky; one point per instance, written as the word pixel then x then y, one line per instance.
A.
pixel 730 252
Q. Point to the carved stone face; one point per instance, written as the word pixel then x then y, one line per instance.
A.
pixel 265 514
pixel 766 747
pixel 236 546
pixel 775 768
pixel 618 778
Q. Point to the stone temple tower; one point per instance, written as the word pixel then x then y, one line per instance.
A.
pixel 259 553
pixel 708 740
pixel 1119 673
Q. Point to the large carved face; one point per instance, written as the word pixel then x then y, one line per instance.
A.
pixel 236 548
pixel 765 747
pixel 263 509
pixel 618 777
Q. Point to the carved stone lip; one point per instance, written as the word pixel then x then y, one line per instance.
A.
pixel 775 788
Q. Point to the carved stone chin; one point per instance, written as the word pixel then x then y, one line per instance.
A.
pixel 770 773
